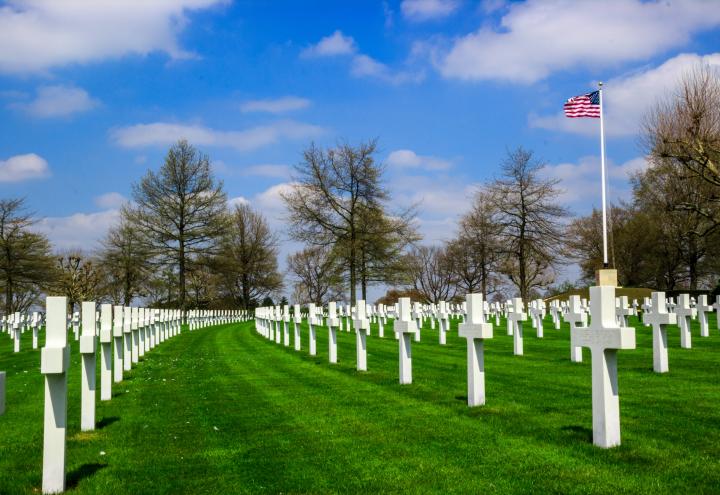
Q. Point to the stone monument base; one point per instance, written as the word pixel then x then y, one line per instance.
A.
pixel 606 277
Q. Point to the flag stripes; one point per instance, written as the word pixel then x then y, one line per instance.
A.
pixel 587 105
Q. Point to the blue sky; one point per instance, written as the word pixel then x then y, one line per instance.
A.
pixel 93 93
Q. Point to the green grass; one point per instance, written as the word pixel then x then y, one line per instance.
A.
pixel 222 410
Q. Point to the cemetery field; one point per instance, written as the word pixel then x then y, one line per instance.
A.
pixel 223 410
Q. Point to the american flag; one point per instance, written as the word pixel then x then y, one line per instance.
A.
pixel 587 105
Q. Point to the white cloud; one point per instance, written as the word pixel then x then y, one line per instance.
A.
pixel 627 98
pixel 164 134
pixel 23 167
pixel 330 46
pixel 37 35
pixel 278 105
pixel 581 181
pixel 366 66
pixel 268 170
pixel 110 200
pixel 537 38
pixel 361 65
pixel 79 230
pixel 58 101
pixel 490 6
pixel 423 10
pixel 410 159
pixel 237 201
pixel 270 200
pixel 270 204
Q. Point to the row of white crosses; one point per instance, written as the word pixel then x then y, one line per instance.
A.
pixel 133 331
pixel 271 321
pixel 201 318
pixel 405 326
pixel 15 325
pixel 604 337
pixel 658 312
pixel 18 323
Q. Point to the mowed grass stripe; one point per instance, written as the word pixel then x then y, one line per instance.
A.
pixel 532 383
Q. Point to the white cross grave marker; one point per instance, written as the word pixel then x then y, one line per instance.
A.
pixel 88 346
pixel 417 314
pixel 106 352
pixel 576 317
pixel 297 320
pixel 516 317
pixel 475 330
pixel 508 321
pixel 404 326
pixel 659 318
pixel 35 329
pixel 684 315
pixel 141 332
pixel 127 338
pixel 311 328
pixel 361 326
pixel 54 363
pixel 286 325
pixel 703 308
pixel 332 323
pixel 604 337
pixel 443 319
pixel 118 344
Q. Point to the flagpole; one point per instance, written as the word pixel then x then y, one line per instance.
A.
pixel 602 176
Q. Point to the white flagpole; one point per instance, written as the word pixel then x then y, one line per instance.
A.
pixel 602 175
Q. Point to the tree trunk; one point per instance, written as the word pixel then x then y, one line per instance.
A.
pixel 353 275
pixel 483 279
pixel 8 297
pixel 245 291
pixel 693 263
pixel 521 273
pixel 127 296
pixel 363 275
pixel 181 275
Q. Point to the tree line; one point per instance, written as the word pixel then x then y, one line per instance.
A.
pixel 178 243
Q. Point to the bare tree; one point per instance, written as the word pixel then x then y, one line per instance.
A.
pixel 318 274
pixel 125 259
pixel 26 264
pixel 337 191
pixel 637 246
pixel 80 278
pixel 429 274
pixel 247 258
pixel 529 217
pixel 684 129
pixel 474 254
pixel 677 204
pixel 203 285
pixel 382 246
pixel 180 210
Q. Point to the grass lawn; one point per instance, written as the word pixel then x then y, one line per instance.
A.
pixel 222 410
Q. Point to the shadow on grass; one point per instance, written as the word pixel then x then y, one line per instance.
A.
pixel 106 422
pixel 86 470
pixel 580 432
